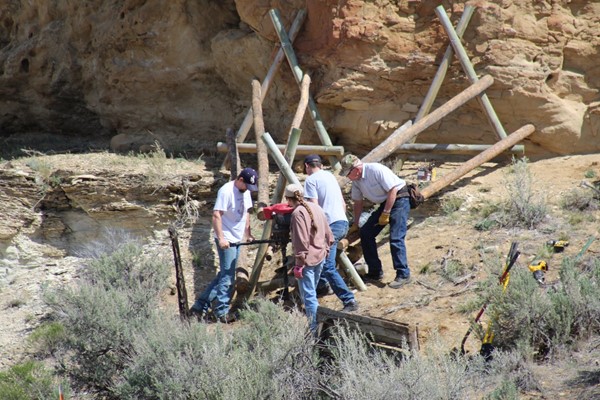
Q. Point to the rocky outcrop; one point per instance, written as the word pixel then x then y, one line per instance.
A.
pixel 75 74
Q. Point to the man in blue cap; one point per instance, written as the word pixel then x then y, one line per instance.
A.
pixel 322 188
pixel 231 223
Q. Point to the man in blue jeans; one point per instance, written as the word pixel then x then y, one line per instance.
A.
pixel 380 185
pixel 322 188
pixel 230 223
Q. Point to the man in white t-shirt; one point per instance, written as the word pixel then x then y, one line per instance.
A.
pixel 322 188
pixel 231 223
pixel 380 185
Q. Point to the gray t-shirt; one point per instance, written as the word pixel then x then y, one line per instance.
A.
pixel 323 186
pixel 375 183
pixel 234 205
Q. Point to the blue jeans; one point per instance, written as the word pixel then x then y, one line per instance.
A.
pixel 330 273
pixel 308 291
pixel 220 289
pixel 368 232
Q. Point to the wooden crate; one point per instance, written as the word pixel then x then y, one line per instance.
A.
pixel 382 332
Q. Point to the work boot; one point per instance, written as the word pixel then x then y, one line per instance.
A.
pixel 376 277
pixel 351 306
pixel 399 282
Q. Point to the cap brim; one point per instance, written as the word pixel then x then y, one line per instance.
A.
pixel 252 188
pixel 345 172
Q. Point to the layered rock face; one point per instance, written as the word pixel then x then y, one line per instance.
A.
pixel 180 71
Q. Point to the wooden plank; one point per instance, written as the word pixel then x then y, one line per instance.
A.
pixel 381 330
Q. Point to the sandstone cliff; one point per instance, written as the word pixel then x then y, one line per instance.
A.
pixel 75 74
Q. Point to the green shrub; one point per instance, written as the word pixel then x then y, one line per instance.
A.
pixel 267 356
pixel 48 337
pixel 580 200
pixel 114 301
pixel 526 316
pixel 30 381
pixel 523 207
pixel 360 371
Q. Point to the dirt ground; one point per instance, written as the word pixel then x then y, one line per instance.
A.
pixel 431 302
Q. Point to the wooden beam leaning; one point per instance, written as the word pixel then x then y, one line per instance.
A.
pixel 351 271
pixel 286 170
pixel 399 137
pixel 440 74
pixel 266 84
pixel 289 154
pixel 461 53
pixel 303 149
pixel 452 148
pixel 261 149
pixel 476 161
pixel 283 165
pixel 298 74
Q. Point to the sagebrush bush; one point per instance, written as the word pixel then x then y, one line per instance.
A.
pixel 360 371
pixel 527 316
pixel 580 200
pixel 524 207
pixel 115 299
pixel 268 356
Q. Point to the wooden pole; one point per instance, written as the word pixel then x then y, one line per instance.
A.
pixel 273 284
pixel 452 148
pixel 283 165
pixel 350 271
pixel 233 153
pixel 398 137
pixel 289 158
pixel 266 84
pixel 302 149
pixel 476 161
pixel 443 68
pixel 261 149
pixel 298 74
pixel 461 53
pixel 268 225
pixel 179 278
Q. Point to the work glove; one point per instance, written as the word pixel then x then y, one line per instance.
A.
pixel 298 271
pixel 384 218
pixel 353 229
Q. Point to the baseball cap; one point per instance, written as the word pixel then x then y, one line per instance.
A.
pixel 250 178
pixel 348 162
pixel 312 158
pixel 292 188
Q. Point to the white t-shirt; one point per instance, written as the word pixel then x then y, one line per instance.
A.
pixel 234 205
pixel 375 183
pixel 323 186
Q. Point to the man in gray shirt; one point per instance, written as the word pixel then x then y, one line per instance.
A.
pixel 322 188
pixel 380 185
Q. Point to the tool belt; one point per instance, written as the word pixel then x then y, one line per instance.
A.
pixel 403 192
